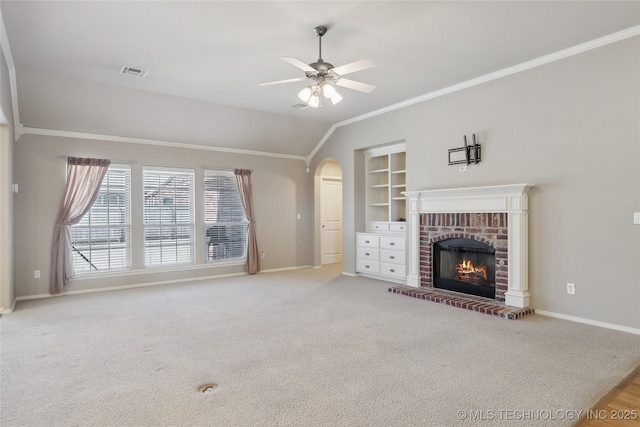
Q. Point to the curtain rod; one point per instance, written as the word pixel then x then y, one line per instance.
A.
pixel 222 169
pixel 117 162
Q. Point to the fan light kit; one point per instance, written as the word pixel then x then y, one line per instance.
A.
pixel 325 77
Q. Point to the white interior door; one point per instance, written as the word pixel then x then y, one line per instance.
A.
pixel 331 219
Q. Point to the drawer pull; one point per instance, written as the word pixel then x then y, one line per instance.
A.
pixel 391 244
pixel 367 241
pixel 366 266
pixel 392 257
pixel 392 270
pixel 367 253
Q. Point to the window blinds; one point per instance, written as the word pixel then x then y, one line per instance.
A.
pixel 168 216
pixel 102 239
pixel 225 220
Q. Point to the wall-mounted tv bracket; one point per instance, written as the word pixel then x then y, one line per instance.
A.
pixel 470 153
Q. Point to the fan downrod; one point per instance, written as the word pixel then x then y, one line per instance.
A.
pixel 322 67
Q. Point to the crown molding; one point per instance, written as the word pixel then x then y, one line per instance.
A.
pixel 8 57
pixel 99 137
pixel 556 56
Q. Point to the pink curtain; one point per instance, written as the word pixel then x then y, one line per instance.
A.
pixel 243 177
pixel 84 178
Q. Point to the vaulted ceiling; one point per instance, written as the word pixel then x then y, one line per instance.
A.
pixel 206 58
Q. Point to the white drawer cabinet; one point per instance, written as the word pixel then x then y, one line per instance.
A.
pixel 368 266
pixel 395 257
pixel 395 270
pixel 365 240
pixel 392 242
pixel 381 256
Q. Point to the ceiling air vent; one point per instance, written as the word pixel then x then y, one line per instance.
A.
pixel 300 106
pixel 133 71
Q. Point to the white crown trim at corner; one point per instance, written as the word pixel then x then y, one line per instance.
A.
pixel 556 56
pixel 99 137
pixel 13 85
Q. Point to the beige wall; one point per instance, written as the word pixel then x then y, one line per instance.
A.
pixel 571 128
pixel 280 186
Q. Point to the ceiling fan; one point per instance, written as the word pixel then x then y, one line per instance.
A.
pixel 325 76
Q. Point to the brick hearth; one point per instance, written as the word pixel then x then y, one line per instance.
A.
pixel 468 302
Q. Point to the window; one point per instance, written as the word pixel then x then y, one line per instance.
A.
pixel 101 241
pixel 225 221
pixel 168 216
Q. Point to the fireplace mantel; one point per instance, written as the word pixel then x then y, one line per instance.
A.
pixel 510 199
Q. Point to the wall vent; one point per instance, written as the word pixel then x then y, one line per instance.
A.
pixel 137 72
pixel 300 106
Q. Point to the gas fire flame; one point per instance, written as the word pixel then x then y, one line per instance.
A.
pixel 466 270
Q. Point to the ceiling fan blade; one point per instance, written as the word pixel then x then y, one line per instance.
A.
pixel 352 84
pixel 297 63
pixel 352 67
pixel 276 82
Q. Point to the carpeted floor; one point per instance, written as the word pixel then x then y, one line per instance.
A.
pixel 296 348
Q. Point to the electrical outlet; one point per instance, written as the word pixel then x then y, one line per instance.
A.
pixel 463 168
pixel 571 288
pixel 262 255
pixel 36 274
pixel 636 217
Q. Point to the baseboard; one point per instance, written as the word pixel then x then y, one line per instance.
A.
pixel 606 325
pixel 344 273
pixel 133 286
pixel 143 285
pixel 298 267
pixel 9 310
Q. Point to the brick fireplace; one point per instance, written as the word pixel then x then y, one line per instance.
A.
pixel 488 228
pixel 496 216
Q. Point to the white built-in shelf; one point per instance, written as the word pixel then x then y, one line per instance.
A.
pixel 385 181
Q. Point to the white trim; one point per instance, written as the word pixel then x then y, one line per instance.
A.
pixel 322 141
pixel 556 56
pixel 272 270
pixel 99 137
pixel 9 310
pixel 13 86
pixel 144 285
pixel 6 47
pixel 344 273
pixel 137 285
pixel 635 331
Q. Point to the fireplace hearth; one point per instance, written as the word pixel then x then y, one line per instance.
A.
pixel 495 215
pixel 465 265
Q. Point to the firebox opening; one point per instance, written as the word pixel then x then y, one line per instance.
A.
pixel 465 265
